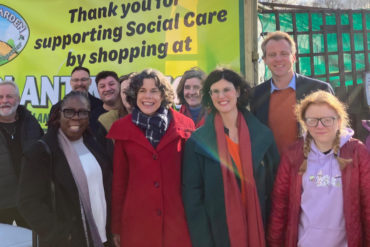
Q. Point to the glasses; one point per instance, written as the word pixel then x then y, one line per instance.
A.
pixel 83 79
pixel 216 92
pixel 70 113
pixel 325 121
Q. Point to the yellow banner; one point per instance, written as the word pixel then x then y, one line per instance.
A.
pixel 41 41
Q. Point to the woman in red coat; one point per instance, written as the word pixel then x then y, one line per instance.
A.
pixel 321 195
pixel 147 209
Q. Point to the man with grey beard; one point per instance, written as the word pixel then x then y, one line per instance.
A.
pixel 18 129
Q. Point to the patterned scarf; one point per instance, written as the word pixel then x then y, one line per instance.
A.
pixel 155 126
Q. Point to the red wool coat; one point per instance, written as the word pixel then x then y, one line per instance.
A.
pixel 147 208
pixel 286 196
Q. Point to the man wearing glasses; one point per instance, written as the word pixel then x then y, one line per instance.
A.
pixel 81 81
pixel 273 101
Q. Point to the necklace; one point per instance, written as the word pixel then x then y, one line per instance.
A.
pixel 10 130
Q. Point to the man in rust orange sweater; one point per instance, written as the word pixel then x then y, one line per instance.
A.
pixel 273 101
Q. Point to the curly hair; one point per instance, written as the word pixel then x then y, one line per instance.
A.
pixel 191 73
pixel 161 82
pixel 231 76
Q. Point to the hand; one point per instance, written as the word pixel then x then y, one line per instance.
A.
pixel 117 240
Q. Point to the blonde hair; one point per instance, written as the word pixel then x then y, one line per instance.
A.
pixel 322 98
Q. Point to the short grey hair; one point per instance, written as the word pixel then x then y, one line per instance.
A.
pixel 11 83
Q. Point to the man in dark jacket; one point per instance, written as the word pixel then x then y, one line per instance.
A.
pixel 81 81
pixel 273 101
pixel 18 130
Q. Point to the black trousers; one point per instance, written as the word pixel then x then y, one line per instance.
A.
pixel 8 215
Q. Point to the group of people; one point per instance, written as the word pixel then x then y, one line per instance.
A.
pixel 273 165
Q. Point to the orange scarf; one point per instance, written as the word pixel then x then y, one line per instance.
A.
pixel 244 220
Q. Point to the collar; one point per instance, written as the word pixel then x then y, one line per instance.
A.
pixel 261 138
pixel 292 84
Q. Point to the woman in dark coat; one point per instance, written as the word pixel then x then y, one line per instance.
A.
pixel 147 209
pixel 228 169
pixel 72 162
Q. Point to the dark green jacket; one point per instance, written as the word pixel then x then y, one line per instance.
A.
pixel 203 190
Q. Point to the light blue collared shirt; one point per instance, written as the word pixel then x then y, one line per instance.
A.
pixel 292 84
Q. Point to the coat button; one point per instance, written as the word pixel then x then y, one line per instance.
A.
pixel 155 157
pixel 156 184
pixel 159 212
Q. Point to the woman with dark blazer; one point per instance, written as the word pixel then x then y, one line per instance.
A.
pixel 228 168
pixel 147 209
pixel 75 211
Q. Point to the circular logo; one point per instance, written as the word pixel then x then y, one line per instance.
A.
pixel 14 33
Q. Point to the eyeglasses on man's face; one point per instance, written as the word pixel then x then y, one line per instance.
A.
pixel 70 113
pixel 217 92
pixel 325 121
pixel 83 79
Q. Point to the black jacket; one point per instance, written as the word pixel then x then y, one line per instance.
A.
pixel 34 201
pixel 30 131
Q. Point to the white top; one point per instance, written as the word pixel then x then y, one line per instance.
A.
pixel 94 177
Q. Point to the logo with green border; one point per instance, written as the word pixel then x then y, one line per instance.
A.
pixel 14 34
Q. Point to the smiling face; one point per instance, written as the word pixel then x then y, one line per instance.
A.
pixel 80 81
pixel 279 58
pixel 74 127
pixel 192 93
pixel 9 102
pixel 323 136
pixel 224 96
pixel 109 90
pixel 149 97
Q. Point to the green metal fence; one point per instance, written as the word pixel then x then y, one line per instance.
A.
pixel 332 45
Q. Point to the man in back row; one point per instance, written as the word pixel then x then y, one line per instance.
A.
pixel 81 81
pixel 273 101
pixel 108 88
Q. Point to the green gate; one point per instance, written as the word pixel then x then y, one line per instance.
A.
pixel 332 45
